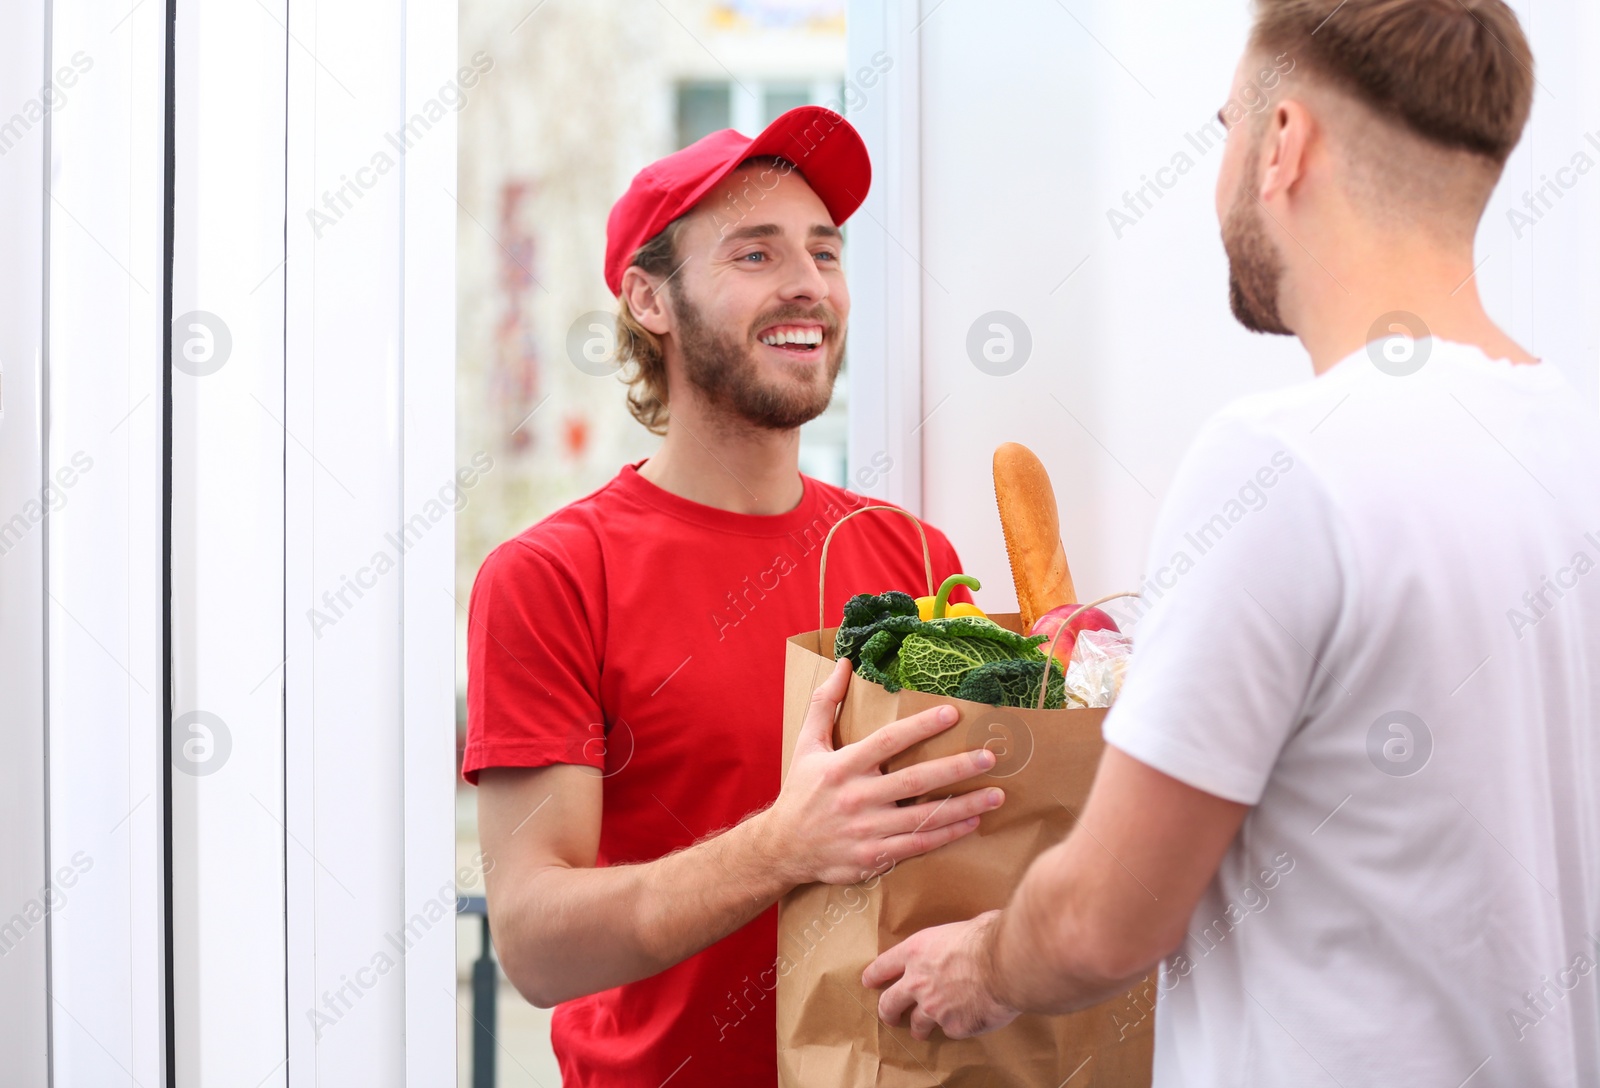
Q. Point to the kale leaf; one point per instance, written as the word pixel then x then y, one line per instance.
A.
pixel 871 632
pixel 889 644
pixel 1022 646
pixel 934 661
pixel 1013 682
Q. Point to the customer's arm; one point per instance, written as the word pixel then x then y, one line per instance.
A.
pixel 1100 909
pixel 1242 645
pixel 1093 914
pixel 565 928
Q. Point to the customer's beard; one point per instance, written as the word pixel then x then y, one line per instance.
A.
pixel 1255 269
pixel 724 368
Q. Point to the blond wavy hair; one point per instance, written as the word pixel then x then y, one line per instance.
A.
pixel 639 351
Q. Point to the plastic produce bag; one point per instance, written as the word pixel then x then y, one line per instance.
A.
pixel 1099 660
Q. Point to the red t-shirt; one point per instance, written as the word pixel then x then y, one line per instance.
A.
pixel 643 634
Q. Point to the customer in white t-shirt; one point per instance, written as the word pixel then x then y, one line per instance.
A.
pixel 1351 798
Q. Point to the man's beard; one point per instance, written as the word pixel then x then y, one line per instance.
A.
pixel 724 368
pixel 1254 267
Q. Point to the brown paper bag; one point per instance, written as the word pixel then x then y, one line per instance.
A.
pixel 829 1034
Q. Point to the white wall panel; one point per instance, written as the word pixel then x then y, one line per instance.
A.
pixel 24 1006
pixel 344 389
pixel 428 585
pixel 228 457
pixel 1037 119
pixel 369 622
pixel 1538 271
pixel 105 436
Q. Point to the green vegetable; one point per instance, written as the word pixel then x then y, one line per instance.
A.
pixel 1013 682
pixel 889 670
pixel 936 663
pixel 892 613
pixel 934 657
pixel 889 645
pixel 879 660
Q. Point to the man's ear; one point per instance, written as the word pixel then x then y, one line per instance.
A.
pixel 1283 158
pixel 646 300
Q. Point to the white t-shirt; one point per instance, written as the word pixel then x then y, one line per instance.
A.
pixel 1376 619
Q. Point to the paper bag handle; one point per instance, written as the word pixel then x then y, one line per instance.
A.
pixel 822 573
pixel 1050 654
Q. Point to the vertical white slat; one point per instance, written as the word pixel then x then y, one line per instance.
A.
pixel 428 567
pixel 24 1007
pixel 228 458
pixel 105 541
pixel 884 239
pixel 350 955
pixel 301 898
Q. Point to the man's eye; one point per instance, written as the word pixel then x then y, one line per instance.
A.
pixel 754 257
pixel 827 255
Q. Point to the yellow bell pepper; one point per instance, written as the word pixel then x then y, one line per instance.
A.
pixel 938 606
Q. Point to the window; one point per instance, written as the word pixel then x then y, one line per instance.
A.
pixel 703 108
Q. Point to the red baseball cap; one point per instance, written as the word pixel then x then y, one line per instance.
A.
pixel 825 148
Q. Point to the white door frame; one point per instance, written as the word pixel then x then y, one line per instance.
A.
pixel 195 894
pixel 333 435
pixel 106 697
pixel 887 282
pixel 24 856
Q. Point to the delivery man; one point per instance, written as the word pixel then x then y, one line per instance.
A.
pixel 626 654
pixel 1349 801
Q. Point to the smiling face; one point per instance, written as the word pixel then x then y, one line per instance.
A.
pixel 758 302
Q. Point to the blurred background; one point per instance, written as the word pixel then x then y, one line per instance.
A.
pixel 1044 170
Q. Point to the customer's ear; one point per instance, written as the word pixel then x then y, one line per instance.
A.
pixel 1283 149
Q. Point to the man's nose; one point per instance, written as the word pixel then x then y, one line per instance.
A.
pixel 804 281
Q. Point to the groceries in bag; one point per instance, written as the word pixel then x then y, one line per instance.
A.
pixel 829 1032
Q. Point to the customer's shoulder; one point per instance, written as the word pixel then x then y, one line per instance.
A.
pixel 1264 435
pixel 1295 408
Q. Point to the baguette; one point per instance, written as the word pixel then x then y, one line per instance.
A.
pixel 1033 534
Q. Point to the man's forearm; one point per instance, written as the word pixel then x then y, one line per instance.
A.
pixel 1047 954
pixel 582 930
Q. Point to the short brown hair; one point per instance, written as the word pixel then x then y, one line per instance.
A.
pixel 1458 73
pixel 637 345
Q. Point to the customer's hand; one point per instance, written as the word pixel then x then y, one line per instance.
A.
pixel 939 977
pixel 836 820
